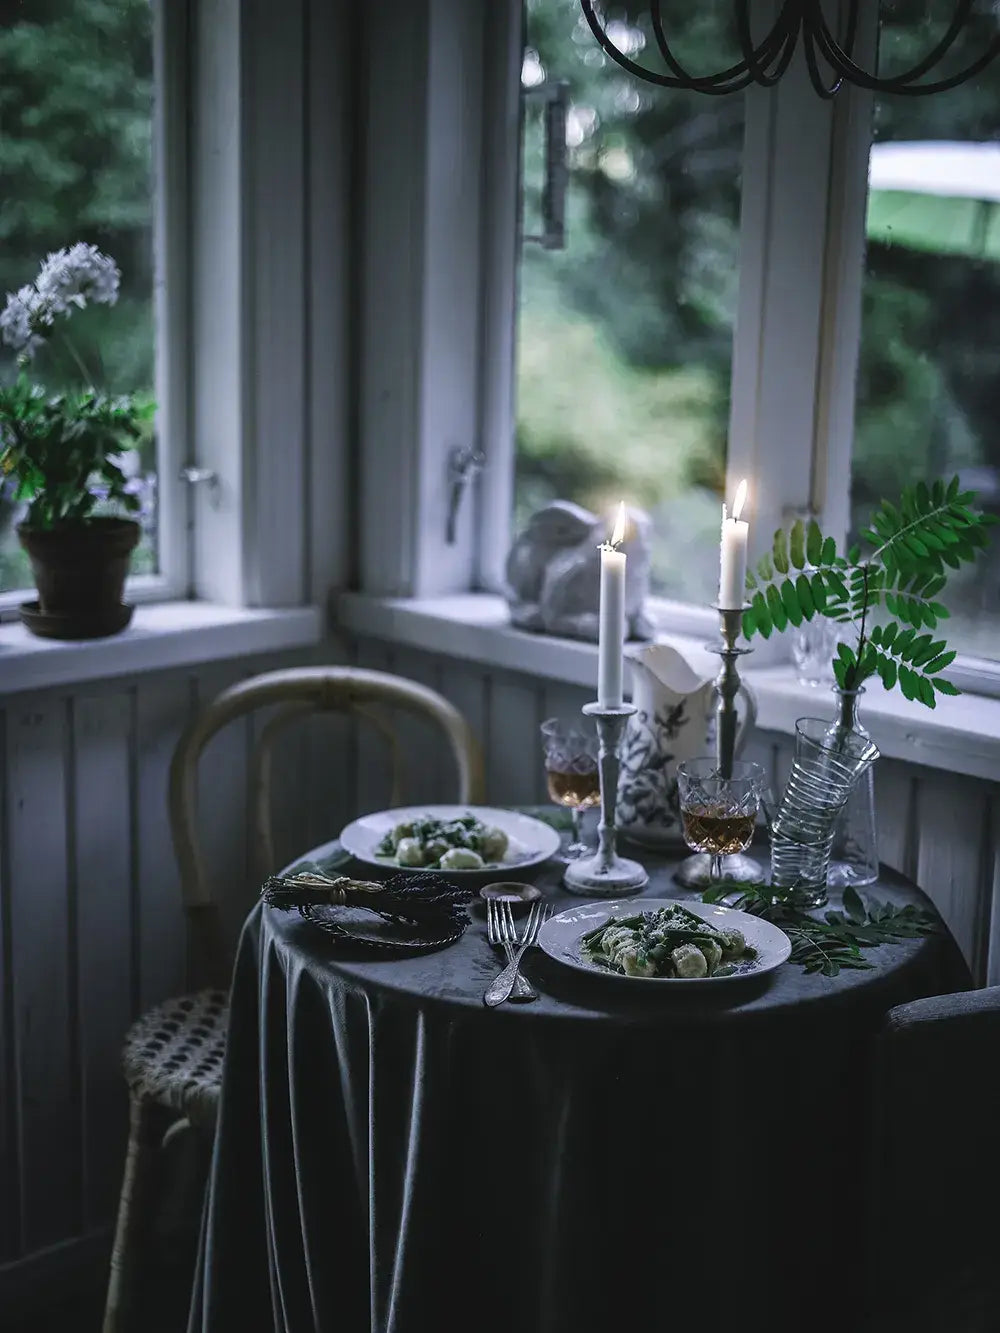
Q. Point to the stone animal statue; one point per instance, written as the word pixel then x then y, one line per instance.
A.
pixel 553 572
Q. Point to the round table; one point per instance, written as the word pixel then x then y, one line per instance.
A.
pixel 392 1156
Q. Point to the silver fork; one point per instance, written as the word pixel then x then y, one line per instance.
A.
pixel 501 988
pixel 501 934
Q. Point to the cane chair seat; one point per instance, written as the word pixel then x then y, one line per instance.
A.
pixel 173 1055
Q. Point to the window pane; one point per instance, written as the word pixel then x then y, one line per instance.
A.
pixel 929 379
pixel 625 335
pixel 76 98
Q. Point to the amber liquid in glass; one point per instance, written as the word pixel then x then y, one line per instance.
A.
pixel 574 790
pixel 713 829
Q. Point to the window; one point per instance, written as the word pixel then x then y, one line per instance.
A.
pixel 76 136
pixel 624 334
pixel 929 375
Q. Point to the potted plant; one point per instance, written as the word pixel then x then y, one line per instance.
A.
pixel 66 455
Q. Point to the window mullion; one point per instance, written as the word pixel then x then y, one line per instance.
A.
pixel 171 289
pixel 796 343
pixel 419 399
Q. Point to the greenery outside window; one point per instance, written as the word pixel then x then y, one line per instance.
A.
pixel 928 397
pixel 624 333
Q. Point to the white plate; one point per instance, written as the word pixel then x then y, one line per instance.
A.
pixel 530 841
pixel 561 935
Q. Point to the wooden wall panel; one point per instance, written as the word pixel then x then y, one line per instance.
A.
pixel 43 908
pixel 10 1184
pixel 896 789
pixel 163 706
pixel 514 773
pixel 467 690
pixel 223 803
pixel 371 786
pixel 952 861
pixel 428 769
pixel 106 933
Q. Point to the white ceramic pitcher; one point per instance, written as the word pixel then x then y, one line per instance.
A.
pixel 674 693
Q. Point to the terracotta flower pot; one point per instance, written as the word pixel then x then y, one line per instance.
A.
pixel 79 571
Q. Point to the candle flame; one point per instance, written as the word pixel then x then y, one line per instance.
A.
pixel 741 498
pixel 618 532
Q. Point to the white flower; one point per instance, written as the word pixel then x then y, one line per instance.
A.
pixel 23 315
pixel 76 275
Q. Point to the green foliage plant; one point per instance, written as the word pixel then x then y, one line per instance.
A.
pixel 66 452
pixel 913 545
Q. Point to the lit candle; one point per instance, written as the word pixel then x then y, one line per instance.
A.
pixel 733 575
pixel 611 624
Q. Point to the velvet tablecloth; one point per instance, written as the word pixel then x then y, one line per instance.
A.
pixel 392 1157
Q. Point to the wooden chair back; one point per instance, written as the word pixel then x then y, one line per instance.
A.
pixel 297 691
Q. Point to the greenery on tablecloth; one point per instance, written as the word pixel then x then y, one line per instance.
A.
pixel 837 939
pixel 333 860
pixel 555 816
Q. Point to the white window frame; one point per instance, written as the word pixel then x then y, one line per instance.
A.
pixel 253 162
pixel 796 342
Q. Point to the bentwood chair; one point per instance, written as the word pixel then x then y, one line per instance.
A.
pixel 173 1055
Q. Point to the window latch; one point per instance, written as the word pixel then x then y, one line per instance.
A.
pixel 203 476
pixel 463 464
pixel 555 96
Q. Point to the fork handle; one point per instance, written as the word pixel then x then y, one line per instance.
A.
pixel 523 989
pixel 501 988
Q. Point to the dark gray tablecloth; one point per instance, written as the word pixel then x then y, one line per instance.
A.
pixel 393 1157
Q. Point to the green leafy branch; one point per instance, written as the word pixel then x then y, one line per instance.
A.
pixel 836 941
pixel 933 530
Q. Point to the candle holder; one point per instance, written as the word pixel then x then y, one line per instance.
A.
pixel 606 874
pixel 695 871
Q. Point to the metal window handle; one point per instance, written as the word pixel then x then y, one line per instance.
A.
pixel 556 98
pixel 204 476
pixel 463 464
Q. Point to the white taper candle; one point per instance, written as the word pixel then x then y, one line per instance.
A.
pixel 733 559
pixel 611 621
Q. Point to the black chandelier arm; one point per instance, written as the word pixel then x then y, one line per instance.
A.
pixel 766 63
pixel 789 22
pixel 830 49
pixel 711 84
pixel 736 77
pixel 828 91
pixel 619 57
pixel 904 83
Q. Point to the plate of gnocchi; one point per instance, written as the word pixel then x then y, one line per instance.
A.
pixel 664 941
pixel 460 841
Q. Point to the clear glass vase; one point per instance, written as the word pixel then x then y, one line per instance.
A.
pixel 854 854
pixel 826 770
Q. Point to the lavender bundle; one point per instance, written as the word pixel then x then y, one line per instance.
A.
pixel 420 900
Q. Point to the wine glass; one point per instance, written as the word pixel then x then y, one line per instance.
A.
pixel 718 814
pixel 571 773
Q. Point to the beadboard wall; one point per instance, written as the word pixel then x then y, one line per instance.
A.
pixel 90 918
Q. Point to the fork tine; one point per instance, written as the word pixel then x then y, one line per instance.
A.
pixel 531 929
pixel 509 929
pixel 492 933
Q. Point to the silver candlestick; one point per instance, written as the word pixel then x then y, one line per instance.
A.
pixel 695 871
pixel 606 874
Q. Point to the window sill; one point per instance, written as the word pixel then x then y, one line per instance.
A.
pixel 161 636
pixel 961 735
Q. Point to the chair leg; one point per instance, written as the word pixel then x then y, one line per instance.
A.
pixel 145 1133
